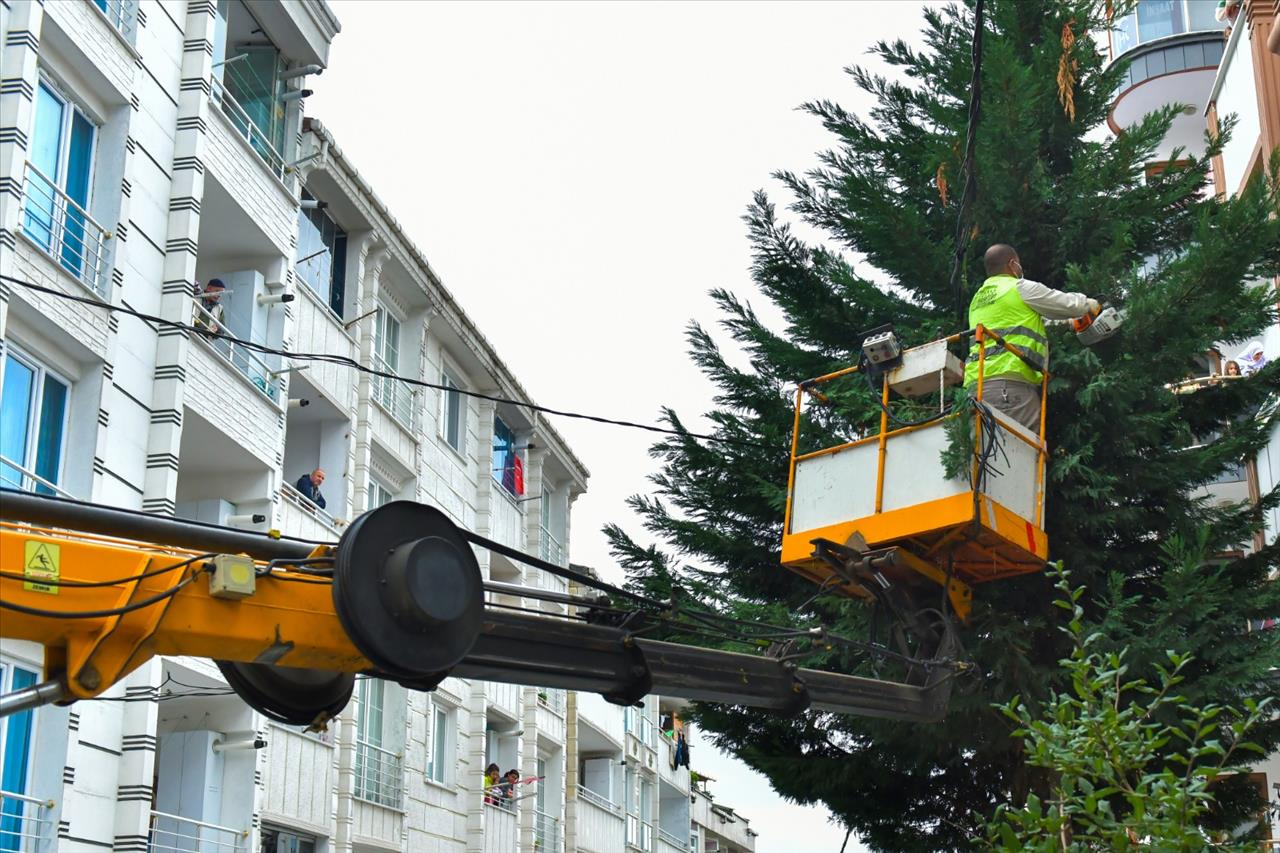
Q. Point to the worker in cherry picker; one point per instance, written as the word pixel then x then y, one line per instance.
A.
pixel 1015 308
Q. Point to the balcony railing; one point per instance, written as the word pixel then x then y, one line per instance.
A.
pixel 1156 19
pixel 254 135
pixel 15 476
pixel 641 727
pixel 123 15
pixel 395 397
pixel 639 833
pixel 26 824
pixel 673 840
pixel 301 501
pixel 64 229
pixel 546 832
pixel 500 835
pixel 172 833
pixel 258 372
pixel 552 550
pixel 552 699
pixel 599 800
pixel 379 775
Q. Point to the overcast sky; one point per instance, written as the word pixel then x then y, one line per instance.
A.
pixel 576 174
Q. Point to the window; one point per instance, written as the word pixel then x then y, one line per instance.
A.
pixel 442 743
pixel 379 494
pixel 16 738
pixel 322 255
pixel 286 841
pixel 253 82
pixel 453 418
pixel 377 769
pixel 33 424
pixel 390 393
pixel 59 176
pixel 508 468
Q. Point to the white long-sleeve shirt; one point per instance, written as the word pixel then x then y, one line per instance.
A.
pixel 1052 304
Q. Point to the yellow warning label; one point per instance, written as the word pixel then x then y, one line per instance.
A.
pixel 43 561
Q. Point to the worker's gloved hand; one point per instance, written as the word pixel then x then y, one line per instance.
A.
pixel 1094 306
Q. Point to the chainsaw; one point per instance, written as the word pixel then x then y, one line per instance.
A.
pixel 1096 326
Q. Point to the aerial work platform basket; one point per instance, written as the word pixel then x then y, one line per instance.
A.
pixel 880 511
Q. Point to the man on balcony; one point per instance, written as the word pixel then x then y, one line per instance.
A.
pixel 209 317
pixel 309 486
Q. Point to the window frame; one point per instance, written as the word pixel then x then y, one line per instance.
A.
pixel 36 405
pixel 298 836
pixel 336 254
pixel 8 668
pixel 499 473
pixel 376 483
pixel 62 94
pixel 449 378
pixel 438 711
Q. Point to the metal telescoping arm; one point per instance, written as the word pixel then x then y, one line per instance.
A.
pixel 511 647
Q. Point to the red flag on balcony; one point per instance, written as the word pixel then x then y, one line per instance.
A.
pixel 519 473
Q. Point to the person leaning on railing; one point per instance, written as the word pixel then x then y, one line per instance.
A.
pixel 1015 308
pixel 209 317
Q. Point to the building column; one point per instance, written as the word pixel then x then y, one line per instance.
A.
pixel 164 438
pixel 527 744
pixel 135 787
pixel 18 81
pixel 370 268
pixel 344 815
pixel 473 715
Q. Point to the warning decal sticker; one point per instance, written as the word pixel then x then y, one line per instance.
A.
pixel 42 561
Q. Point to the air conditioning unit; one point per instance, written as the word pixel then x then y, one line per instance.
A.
pixel 711 845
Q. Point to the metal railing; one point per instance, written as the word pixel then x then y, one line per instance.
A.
pixel 379 775
pixel 254 135
pixel 258 372
pixel 25 822
pixel 38 484
pixel 552 550
pixel 171 833
pixel 639 833
pixel 546 832
pixel 395 397
pixel 64 229
pixel 641 726
pixel 552 699
pixel 673 840
pixel 123 15
pixel 305 504
pixel 598 800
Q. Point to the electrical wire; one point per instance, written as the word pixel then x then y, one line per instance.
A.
pixel 102 614
pixel 345 361
pixel 14 576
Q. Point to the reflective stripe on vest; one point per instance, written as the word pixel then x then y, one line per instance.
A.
pixel 998 307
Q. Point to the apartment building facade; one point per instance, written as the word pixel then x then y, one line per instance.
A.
pixel 1220 62
pixel 148 147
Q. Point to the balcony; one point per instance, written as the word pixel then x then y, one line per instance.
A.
pixel 25 822
pixel 552 699
pixel 551 550
pixel 122 14
pixel 504 698
pixel 506 517
pixel 669 843
pixel 1157 20
pixel 301 518
pixel 316 329
pixel 500 833
pixel 600 827
pixel 299 773
pixel 639 833
pixel 550 713
pixel 171 833
pixel 247 362
pixel 547 834
pixel 1235 92
pixel 64 230
pixel 253 135
pixel 379 776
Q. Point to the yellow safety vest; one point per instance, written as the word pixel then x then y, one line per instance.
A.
pixel 999 307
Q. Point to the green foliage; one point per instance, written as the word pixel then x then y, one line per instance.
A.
pixel 1124 507
pixel 1128 762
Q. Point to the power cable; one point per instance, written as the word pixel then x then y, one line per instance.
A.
pixel 344 361
pixel 14 576
pixel 113 611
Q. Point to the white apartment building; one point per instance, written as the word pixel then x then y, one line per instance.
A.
pixel 1181 52
pixel 146 148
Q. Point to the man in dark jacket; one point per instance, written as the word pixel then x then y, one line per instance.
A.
pixel 309 486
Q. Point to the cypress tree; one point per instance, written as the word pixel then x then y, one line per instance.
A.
pixel 1125 505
